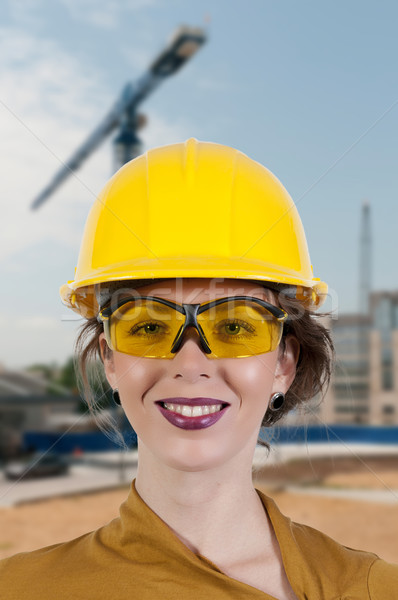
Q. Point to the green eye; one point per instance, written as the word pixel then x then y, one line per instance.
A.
pixel 149 329
pixel 233 328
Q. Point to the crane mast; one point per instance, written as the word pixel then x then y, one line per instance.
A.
pixel 365 266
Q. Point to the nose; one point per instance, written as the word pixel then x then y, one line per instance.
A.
pixel 190 361
pixel 191 332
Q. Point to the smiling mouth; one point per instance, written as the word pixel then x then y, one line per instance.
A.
pixel 196 413
pixel 193 411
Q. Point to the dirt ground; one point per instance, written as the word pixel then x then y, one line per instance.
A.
pixel 366 472
pixel 358 524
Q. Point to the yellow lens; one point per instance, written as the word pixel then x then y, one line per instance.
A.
pixel 240 328
pixel 145 328
pixel 236 328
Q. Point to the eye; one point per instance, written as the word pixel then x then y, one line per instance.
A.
pixel 150 328
pixel 234 328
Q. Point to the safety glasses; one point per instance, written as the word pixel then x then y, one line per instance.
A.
pixel 232 327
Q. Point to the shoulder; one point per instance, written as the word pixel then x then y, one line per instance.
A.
pixel 337 567
pixel 67 570
pixel 383 581
pixel 313 545
pixel 320 547
pixel 351 572
pixel 33 574
pixel 322 566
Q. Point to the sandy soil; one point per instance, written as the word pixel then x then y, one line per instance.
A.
pixel 363 525
pixel 366 472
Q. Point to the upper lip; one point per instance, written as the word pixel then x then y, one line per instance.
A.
pixel 192 401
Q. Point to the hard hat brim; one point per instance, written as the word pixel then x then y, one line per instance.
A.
pixel 79 294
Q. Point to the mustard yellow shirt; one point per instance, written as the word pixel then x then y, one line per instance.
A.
pixel 138 557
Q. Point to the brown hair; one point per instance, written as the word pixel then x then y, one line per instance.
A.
pixel 315 363
pixel 313 371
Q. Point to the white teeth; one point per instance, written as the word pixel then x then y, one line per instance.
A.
pixel 193 411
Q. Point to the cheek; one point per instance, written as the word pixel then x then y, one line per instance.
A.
pixel 134 377
pixel 253 379
pixel 254 376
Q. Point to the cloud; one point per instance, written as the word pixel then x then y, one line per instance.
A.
pixel 106 14
pixel 26 12
pixel 46 103
pixel 51 103
pixel 38 338
pixel 37 323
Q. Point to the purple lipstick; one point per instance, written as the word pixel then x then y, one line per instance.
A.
pixel 186 414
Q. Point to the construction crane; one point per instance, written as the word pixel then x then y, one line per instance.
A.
pixel 365 257
pixel 185 42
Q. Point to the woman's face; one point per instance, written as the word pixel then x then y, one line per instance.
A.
pixel 246 384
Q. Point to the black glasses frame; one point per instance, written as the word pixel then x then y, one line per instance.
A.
pixel 191 311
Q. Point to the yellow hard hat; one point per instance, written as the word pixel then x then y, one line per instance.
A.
pixel 193 209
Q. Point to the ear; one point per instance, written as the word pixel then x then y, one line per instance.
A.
pixel 108 361
pixel 286 365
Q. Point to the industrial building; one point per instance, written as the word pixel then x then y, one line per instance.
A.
pixel 364 386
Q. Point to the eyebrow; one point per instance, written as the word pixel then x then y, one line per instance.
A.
pixel 160 307
pixel 164 308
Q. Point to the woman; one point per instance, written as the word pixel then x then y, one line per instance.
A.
pixel 197 286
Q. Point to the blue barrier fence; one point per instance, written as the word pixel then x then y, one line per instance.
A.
pixel 333 434
pixel 96 441
pixel 91 441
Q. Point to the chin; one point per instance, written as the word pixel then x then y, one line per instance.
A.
pixel 192 456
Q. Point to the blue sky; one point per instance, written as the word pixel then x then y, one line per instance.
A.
pixel 307 88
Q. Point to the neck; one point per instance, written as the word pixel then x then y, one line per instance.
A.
pixel 208 509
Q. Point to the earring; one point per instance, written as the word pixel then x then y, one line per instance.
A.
pixel 116 397
pixel 277 401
